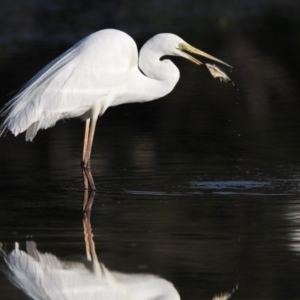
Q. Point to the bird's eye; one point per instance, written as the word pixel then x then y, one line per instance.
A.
pixel 181 46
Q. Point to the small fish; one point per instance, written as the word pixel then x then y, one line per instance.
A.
pixel 217 73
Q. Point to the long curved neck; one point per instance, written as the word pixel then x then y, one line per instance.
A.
pixel 161 76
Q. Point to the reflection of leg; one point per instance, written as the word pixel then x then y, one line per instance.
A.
pixel 98 267
pixel 86 162
pixel 86 231
pixel 88 200
pixel 90 248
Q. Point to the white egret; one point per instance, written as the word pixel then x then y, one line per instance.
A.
pixel 100 71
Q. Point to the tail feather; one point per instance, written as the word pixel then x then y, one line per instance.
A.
pixel 25 110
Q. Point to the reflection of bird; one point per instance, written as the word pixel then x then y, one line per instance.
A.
pixel 43 276
pixel 101 70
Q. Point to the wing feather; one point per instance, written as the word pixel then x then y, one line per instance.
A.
pixel 71 85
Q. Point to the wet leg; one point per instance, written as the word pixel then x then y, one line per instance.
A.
pixel 86 163
pixel 85 142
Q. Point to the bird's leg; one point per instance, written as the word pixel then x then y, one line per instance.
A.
pixel 87 155
pixel 83 164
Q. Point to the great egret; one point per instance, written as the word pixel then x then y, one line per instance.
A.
pixel 100 71
pixel 43 276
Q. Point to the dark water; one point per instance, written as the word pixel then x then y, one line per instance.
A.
pixel 200 188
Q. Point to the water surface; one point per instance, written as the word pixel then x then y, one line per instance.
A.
pixel 200 188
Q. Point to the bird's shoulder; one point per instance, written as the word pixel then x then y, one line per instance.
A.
pixel 109 47
pixel 108 38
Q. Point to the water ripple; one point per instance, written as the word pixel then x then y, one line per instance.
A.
pixel 268 187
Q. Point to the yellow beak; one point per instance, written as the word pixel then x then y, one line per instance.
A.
pixel 188 48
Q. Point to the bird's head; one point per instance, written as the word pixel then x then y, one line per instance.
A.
pixel 167 44
pixel 171 44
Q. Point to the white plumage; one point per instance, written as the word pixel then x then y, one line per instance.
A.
pixel 73 84
pixel 99 71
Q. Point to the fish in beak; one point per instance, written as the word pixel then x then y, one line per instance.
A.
pixel 215 72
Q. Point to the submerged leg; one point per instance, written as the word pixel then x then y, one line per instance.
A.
pixel 87 149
